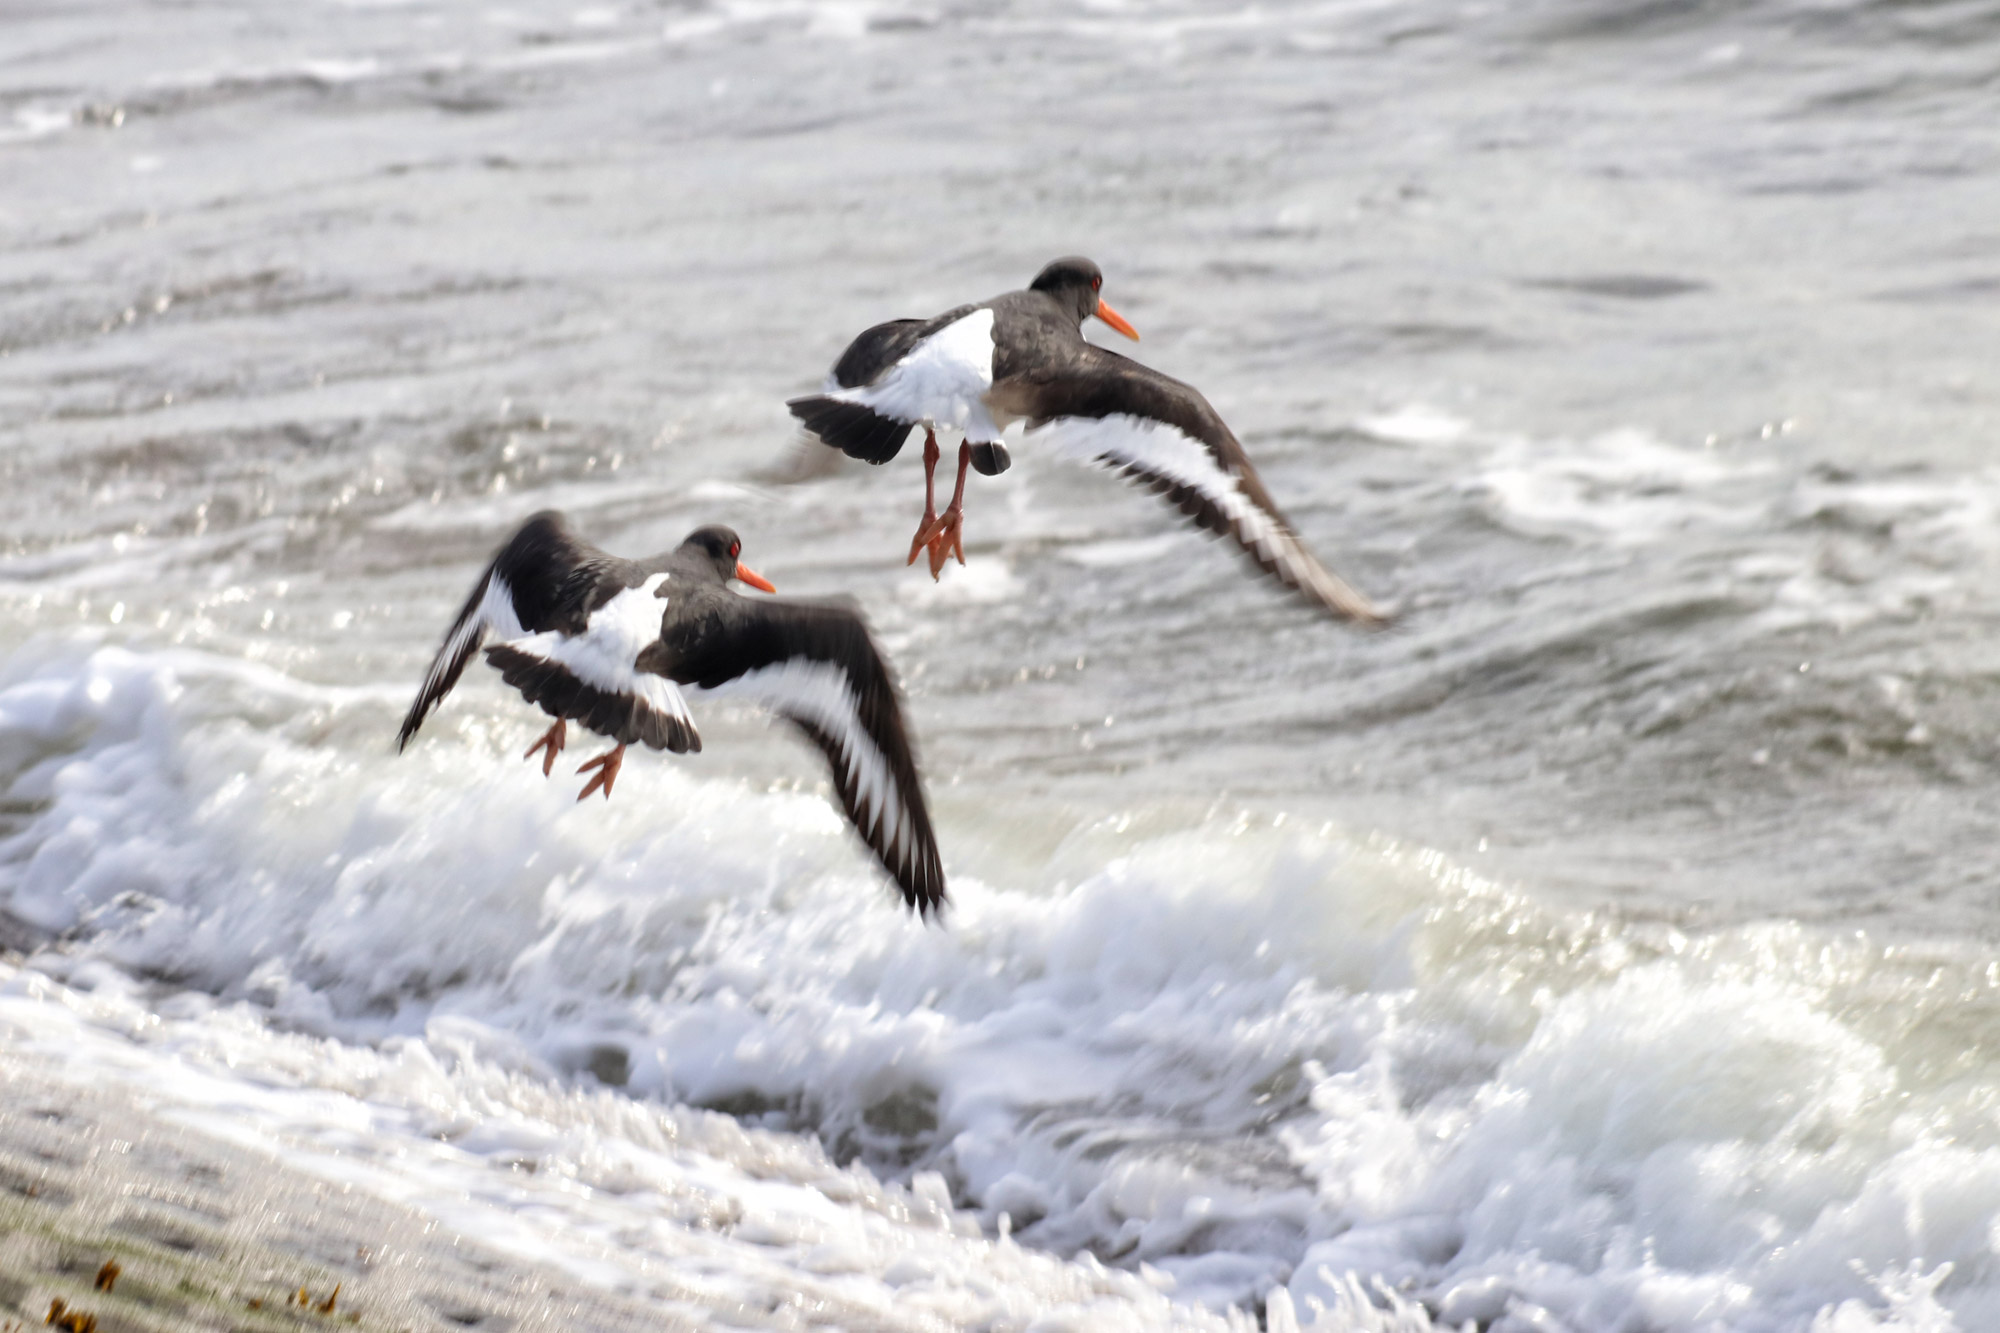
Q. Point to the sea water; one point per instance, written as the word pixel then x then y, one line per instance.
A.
pixel 1608 945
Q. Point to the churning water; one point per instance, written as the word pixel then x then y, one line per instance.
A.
pixel 1609 945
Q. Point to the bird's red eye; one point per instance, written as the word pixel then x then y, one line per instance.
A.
pixel 735 548
pixel 1097 284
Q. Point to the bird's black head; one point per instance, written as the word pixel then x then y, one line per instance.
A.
pixel 1075 282
pixel 720 547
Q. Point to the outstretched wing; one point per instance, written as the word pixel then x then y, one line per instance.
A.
pixel 541 579
pixel 898 375
pixel 1111 411
pixel 815 664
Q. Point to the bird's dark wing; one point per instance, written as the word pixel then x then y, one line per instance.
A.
pixel 1110 410
pixel 857 429
pixel 815 664
pixel 543 578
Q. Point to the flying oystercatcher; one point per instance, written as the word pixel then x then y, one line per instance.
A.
pixel 608 643
pixel 979 368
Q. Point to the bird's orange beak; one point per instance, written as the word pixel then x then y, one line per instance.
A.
pixel 1116 321
pixel 753 578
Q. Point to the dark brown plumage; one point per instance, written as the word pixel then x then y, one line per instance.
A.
pixel 608 643
pixel 1022 357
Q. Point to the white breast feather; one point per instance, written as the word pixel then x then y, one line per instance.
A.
pixel 819 693
pixel 605 655
pixel 942 381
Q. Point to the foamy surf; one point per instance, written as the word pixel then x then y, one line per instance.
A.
pixel 1500 969
pixel 1235 1060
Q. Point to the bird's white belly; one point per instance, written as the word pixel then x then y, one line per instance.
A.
pixel 943 381
pixel 606 654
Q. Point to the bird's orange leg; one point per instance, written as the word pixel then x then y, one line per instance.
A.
pixel 606 765
pixel 552 740
pixel 927 529
pixel 949 538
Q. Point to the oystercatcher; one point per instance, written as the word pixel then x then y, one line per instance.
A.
pixel 608 643
pixel 1022 356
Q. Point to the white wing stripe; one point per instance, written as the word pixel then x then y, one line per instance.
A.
pixel 1121 441
pixel 819 693
pixel 497 609
pixel 495 612
pixel 943 380
pixel 606 654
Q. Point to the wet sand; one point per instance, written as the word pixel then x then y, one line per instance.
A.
pixel 208 1235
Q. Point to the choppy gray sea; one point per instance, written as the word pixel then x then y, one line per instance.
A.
pixel 1608 945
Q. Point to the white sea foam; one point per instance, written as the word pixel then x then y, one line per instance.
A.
pixel 1625 487
pixel 35 122
pixel 1670 658
pixel 615 1191
pixel 1241 1059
